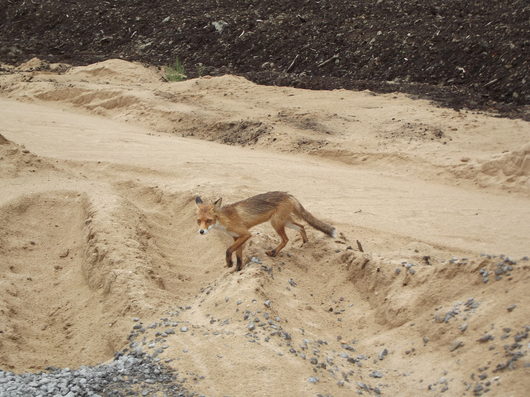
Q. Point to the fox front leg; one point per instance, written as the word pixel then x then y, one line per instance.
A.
pixel 229 262
pixel 238 243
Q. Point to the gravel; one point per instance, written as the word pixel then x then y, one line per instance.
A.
pixel 132 374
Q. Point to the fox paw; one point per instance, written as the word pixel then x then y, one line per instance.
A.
pixel 271 253
pixel 229 264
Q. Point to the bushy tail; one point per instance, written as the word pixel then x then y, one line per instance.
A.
pixel 316 223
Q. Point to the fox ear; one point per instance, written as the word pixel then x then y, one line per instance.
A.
pixel 217 204
pixel 198 200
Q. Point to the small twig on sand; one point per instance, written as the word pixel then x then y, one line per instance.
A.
pixel 359 246
pixel 292 63
pixel 364 262
pixel 491 82
pixel 336 56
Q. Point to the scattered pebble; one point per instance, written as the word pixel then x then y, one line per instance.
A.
pixel 485 338
pixel 456 345
pixel 484 273
pixel 376 374
pixel 383 354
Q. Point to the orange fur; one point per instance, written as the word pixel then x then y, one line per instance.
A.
pixel 238 218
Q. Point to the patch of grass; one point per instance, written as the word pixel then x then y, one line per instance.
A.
pixel 176 71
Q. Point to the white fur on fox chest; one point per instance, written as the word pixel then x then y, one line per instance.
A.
pixel 221 228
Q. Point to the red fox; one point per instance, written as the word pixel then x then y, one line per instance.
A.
pixel 236 219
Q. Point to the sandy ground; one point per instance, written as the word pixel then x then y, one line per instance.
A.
pixel 99 166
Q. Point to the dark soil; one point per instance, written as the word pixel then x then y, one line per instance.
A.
pixel 473 54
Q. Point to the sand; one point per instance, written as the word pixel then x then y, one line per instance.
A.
pixel 99 166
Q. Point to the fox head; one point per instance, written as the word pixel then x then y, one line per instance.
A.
pixel 207 214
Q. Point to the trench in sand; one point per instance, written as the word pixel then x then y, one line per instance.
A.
pixel 72 306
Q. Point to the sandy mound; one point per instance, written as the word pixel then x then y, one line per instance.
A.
pixel 512 167
pixel 16 160
pixel 97 228
pixel 509 169
pixel 32 65
pixel 116 71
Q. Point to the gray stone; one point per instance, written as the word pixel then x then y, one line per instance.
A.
pixel 456 345
pixel 347 347
pixel 485 338
pixel 376 374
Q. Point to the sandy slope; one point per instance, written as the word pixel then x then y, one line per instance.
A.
pixel 97 226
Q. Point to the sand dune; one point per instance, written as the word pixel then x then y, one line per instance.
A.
pixel 99 166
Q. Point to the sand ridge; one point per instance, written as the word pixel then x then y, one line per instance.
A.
pixel 353 127
pixel 99 171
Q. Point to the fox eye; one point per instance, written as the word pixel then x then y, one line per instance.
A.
pixel 208 221
pixel 198 221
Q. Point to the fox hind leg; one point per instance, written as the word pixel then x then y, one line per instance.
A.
pixel 279 226
pixel 300 228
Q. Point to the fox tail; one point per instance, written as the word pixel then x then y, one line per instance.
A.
pixel 316 223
